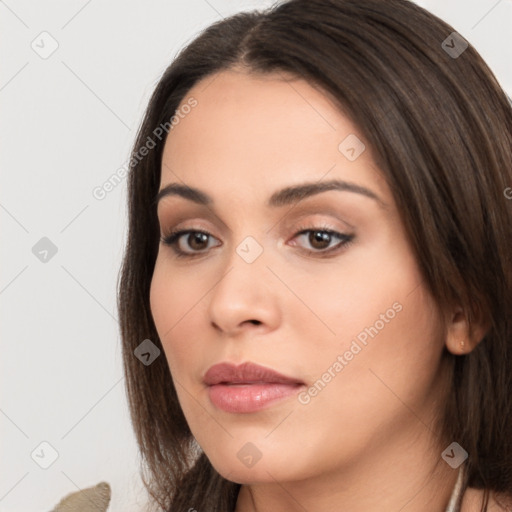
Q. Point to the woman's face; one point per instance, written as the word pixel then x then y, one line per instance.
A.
pixel 346 314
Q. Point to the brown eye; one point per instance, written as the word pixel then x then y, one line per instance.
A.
pixel 188 243
pixel 319 239
pixel 197 240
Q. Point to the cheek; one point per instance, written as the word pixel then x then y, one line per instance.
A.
pixel 349 295
pixel 162 301
pixel 375 313
pixel 172 303
pixel 174 295
pixel 178 302
pixel 383 368
pixel 370 394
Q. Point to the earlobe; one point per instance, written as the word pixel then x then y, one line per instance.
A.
pixel 460 339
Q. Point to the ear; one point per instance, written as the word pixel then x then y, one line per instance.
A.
pixel 460 338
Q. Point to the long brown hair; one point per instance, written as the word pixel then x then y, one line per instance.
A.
pixel 439 126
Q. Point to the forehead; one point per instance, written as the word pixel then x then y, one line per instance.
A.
pixel 262 104
pixel 258 132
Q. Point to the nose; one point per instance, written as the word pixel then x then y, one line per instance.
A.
pixel 245 297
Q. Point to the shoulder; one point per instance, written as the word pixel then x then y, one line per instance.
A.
pixel 473 499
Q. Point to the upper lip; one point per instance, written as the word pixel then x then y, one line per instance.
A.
pixel 246 373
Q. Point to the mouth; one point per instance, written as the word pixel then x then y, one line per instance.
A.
pixel 246 398
pixel 246 373
pixel 248 388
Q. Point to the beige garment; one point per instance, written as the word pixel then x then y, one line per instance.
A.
pixel 92 499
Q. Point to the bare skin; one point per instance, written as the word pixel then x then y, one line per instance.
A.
pixel 366 441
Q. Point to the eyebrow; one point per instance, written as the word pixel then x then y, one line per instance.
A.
pixel 283 197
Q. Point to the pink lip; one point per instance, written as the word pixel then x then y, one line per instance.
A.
pixel 248 387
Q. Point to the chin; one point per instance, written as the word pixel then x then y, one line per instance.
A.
pixel 265 470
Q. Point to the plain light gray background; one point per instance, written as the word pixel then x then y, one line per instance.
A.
pixel 68 122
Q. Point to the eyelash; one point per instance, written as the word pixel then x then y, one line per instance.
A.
pixel 171 239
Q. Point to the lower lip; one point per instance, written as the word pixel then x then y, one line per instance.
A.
pixel 241 398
